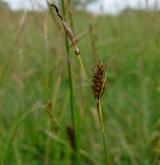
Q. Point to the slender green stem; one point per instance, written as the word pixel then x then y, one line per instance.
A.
pixel 83 69
pixel 71 90
pixel 102 128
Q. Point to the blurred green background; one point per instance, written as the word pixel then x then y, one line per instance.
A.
pixel 33 75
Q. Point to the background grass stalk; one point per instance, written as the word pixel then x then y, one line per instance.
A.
pixel 71 89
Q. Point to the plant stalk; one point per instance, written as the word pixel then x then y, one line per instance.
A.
pixel 73 117
pixel 99 109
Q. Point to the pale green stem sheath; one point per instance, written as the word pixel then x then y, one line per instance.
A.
pixel 102 128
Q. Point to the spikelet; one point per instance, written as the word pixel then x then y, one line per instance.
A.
pixel 49 109
pixel 68 30
pixel 71 136
pixel 98 81
pixel 71 37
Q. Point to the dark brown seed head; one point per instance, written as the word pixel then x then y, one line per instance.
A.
pixel 98 80
pixel 49 106
pixel 49 109
pixel 71 136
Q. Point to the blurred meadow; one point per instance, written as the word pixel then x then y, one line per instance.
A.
pixel 35 97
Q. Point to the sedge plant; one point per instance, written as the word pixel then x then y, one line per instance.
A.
pixel 98 82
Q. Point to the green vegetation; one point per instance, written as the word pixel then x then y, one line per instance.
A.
pixel 35 98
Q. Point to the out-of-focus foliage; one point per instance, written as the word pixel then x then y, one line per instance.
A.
pixel 3 4
pixel 83 2
pixel 33 73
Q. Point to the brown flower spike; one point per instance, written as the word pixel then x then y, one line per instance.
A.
pixel 98 81
pixel 71 136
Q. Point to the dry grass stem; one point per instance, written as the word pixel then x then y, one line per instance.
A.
pixel 67 30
